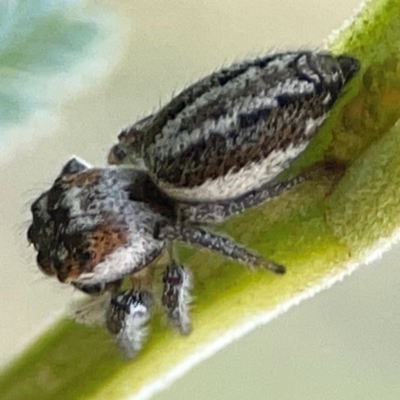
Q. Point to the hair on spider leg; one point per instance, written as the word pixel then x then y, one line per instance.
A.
pixel 89 310
pixel 226 246
pixel 126 319
pixel 176 297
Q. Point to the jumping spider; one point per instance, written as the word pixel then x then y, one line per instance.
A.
pixel 211 152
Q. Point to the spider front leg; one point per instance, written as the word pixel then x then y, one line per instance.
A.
pixel 213 241
pixel 127 317
pixel 176 297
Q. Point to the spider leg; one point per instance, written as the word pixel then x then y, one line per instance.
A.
pixel 126 319
pixel 221 244
pixel 217 211
pixel 176 297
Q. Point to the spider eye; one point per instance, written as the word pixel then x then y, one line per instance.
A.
pixel 35 207
pixel 59 215
pixel 44 263
pixel 32 235
pixel 117 154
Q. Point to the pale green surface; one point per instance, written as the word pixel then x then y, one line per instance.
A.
pixel 342 344
pixel 309 232
pixel 38 40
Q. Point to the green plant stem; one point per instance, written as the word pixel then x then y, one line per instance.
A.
pixel 316 230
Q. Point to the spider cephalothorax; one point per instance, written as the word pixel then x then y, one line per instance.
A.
pixel 87 229
pixel 213 151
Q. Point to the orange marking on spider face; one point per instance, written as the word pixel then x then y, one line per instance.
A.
pixel 104 241
pixel 85 178
pixel 92 250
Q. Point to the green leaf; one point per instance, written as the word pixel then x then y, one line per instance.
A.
pixel 321 230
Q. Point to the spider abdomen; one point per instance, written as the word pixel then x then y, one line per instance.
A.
pixel 238 128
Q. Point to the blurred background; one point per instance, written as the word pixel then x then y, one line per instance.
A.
pixel 110 65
